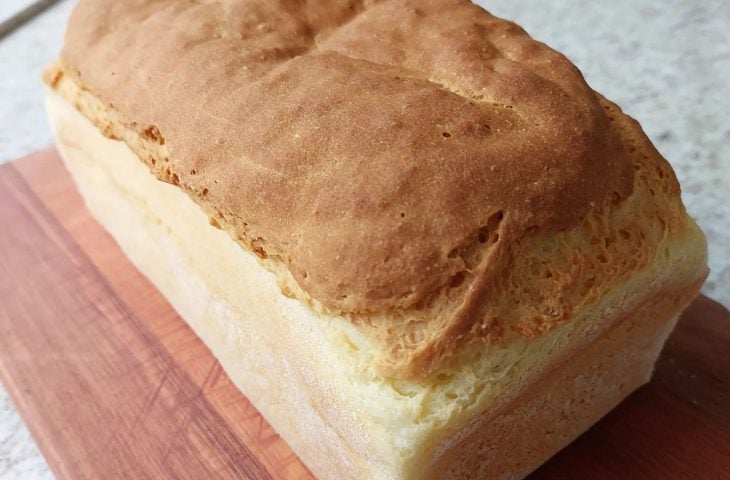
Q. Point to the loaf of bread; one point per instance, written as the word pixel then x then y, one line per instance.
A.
pixel 413 236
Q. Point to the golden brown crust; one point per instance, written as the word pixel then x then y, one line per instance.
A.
pixel 409 163
pixel 359 143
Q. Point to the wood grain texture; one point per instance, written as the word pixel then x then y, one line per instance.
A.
pixel 113 384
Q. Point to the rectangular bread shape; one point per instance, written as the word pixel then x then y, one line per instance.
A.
pixel 416 262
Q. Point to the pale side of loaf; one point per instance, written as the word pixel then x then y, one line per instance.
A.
pixel 494 413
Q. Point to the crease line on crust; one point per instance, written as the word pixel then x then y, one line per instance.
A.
pixel 377 287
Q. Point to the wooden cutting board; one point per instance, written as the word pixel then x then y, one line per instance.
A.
pixel 113 384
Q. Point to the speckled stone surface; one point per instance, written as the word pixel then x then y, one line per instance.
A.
pixel 19 456
pixel 667 64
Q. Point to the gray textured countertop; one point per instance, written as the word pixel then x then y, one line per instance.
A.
pixel 666 64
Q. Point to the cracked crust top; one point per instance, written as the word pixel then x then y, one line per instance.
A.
pixel 384 157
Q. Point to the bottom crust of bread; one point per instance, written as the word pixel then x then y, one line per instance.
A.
pixel 499 417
